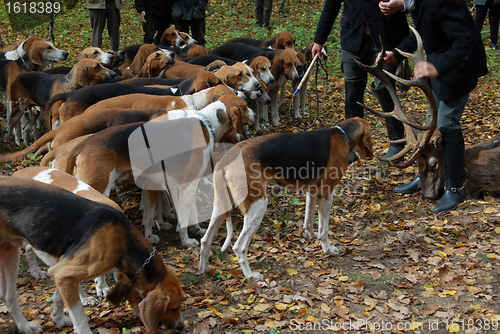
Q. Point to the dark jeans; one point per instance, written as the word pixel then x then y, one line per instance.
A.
pixel 156 24
pixel 356 78
pixel 494 13
pixel 98 19
pixel 197 29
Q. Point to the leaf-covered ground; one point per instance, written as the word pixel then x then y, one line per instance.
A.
pixel 403 269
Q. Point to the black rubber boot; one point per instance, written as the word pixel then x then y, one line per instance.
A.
pixel 395 129
pixel 454 192
pixel 354 92
pixel 409 188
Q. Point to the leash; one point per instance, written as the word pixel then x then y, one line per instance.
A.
pixel 317 63
pixel 144 264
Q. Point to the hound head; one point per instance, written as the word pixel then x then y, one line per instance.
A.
pixel 237 111
pixel 42 53
pixel 249 82
pixel 156 63
pixel 98 55
pixel 171 37
pixel 285 40
pixel 261 67
pixel 89 72
pixel 360 136
pixel 161 304
pixel 288 64
pixel 187 38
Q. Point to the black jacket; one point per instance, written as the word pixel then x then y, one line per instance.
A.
pixel 187 10
pixel 357 14
pixel 154 7
pixel 452 43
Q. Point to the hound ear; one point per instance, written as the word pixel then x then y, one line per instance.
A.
pixel 367 141
pixel 36 56
pixel 82 77
pixel 279 43
pixel 235 115
pixel 148 69
pixel 120 291
pixel 152 308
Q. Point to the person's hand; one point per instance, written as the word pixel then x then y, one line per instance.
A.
pixel 391 7
pixel 425 69
pixel 317 49
pixel 389 57
pixel 143 14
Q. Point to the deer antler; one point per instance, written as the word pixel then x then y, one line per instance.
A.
pixel 413 143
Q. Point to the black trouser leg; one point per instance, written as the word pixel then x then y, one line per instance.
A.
pixel 354 92
pixel 395 129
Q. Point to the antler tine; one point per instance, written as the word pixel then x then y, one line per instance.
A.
pixel 412 143
pixel 378 71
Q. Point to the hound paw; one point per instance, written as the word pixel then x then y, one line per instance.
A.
pixel 39 274
pixel 204 267
pixel 332 250
pixel 189 243
pixel 153 238
pixel 166 226
pixel 255 276
pixel 310 235
pixel 61 321
pixel 305 113
pixel 198 231
pixel 102 289
pixel 89 301
pixel 30 328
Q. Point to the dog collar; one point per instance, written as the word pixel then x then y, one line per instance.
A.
pixel 134 72
pixel 205 121
pixel 144 264
pixel 343 135
pixel 230 88
pixel 24 63
pixel 67 79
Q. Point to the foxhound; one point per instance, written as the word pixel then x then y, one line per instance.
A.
pixel 36 88
pixel 311 161
pixel 80 239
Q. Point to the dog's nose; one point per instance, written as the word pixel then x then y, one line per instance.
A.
pixel 271 80
pixel 258 86
pixel 65 54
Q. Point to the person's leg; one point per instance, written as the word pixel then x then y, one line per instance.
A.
pixel 198 31
pixel 113 15
pixel 355 79
pixel 182 26
pixel 494 19
pixel 481 12
pixel 449 113
pixel 97 23
pixel 162 23
pixel 266 13
pixel 395 129
pixel 149 28
pixel 259 6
